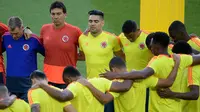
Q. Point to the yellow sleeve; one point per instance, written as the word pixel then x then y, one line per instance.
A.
pixel 27 107
pixel 115 95
pixel 33 97
pixel 73 88
pixel 80 42
pixel 186 60
pixel 66 103
pixel 116 44
pixel 154 64
pixel 151 81
pixel 107 84
pixel 193 76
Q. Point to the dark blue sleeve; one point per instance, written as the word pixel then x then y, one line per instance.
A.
pixel 40 47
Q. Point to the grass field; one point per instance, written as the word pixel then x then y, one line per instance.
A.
pixel 35 13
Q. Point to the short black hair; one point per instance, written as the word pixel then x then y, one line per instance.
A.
pixel 71 71
pixel 148 39
pixel 129 26
pixel 161 38
pixel 3 90
pixel 96 12
pixel 58 4
pixel 182 47
pixel 177 26
pixel 38 75
pixel 117 62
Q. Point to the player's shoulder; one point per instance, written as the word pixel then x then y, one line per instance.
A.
pixel 73 84
pixel 145 32
pixel 122 36
pixel 98 80
pixel 72 26
pixel 195 40
pixel 83 36
pixel 35 38
pixel 108 34
pixel 156 59
pixel 3 26
pixel 20 102
pixel 184 56
pixel 6 35
pixel 46 26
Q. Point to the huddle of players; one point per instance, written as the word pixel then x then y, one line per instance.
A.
pixel 173 79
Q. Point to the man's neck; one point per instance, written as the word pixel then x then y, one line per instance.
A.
pixel 139 32
pixel 78 77
pixel 165 52
pixel 96 34
pixel 187 37
pixel 60 26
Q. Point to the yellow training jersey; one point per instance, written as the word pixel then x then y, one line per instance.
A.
pixel 137 54
pixel 98 51
pixel 162 66
pixel 191 77
pixel 17 106
pixel 194 43
pixel 46 102
pixel 83 99
pixel 134 99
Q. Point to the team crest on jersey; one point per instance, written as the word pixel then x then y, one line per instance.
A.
pixel 141 45
pixel 65 38
pixel 104 44
pixel 26 47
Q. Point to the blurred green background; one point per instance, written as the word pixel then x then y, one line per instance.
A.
pixel 35 13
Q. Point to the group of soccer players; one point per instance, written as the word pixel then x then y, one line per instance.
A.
pixel 132 72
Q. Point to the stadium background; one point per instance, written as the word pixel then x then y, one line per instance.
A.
pixel 35 13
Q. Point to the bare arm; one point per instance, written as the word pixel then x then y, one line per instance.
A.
pixel 193 94
pixel 81 56
pixel 35 108
pixel 100 96
pixel 163 83
pixel 121 86
pixel 69 108
pixel 61 96
pixel 142 74
pixel 195 51
pixel 196 59
pixel 7 102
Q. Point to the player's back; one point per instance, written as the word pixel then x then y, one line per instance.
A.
pixel 190 77
pixel 130 101
pixel 46 102
pixel 83 99
pixel 162 67
pixel 18 106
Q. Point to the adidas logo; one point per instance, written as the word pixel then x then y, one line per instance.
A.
pixel 9 46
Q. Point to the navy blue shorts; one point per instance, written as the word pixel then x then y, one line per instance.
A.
pixel 109 107
pixel 18 86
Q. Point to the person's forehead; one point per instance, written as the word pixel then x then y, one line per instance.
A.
pixel 56 10
pixel 17 29
pixel 94 17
